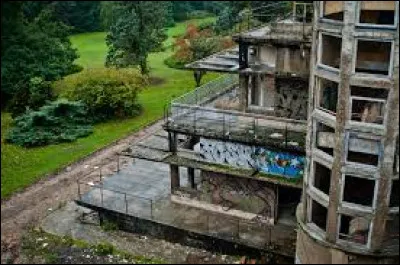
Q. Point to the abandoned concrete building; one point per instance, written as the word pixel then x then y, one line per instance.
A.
pixel 237 155
pixel 350 207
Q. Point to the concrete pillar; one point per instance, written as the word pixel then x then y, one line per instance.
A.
pixel 174 172
pixel 269 91
pixel 173 142
pixel 243 91
pixel 190 172
pixel 342 115
pixel 387 158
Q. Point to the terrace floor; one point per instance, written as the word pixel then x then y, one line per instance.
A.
pixel 142 190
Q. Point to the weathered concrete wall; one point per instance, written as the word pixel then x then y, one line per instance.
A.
pixel 267 55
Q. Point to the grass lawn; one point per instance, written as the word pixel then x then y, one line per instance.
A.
pixel 20 167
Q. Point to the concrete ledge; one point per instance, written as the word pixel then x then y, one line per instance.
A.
pixel 218 209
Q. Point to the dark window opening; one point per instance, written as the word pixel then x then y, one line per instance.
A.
pixel 287 201
pixel 322 178
pixel 331 50
pixel 354 229
pixel 325 138
pixel 373 57
pixel 318 215
pixel 383 14
pixel 358 190
pixel 363 158
pixel 328 95
pixel 368 111
pixel 333 10
pixel 394 195
pixel 369 92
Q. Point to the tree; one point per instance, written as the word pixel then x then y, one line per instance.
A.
pixel 137 31
pixel 40 48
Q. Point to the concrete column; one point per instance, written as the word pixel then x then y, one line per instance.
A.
pixel 309 137
pixel 243 91
pixel 269 91
pixel 174 172
pixel 387 157
pixel 173 142
pixel 342 115
pixel 190 172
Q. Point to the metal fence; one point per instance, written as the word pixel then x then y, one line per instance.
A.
pixel 252 232
pixel 208 91
pixel 224 124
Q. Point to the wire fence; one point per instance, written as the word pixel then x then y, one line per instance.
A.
pixel 254 232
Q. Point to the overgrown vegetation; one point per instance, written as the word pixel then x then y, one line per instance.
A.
pixel 196 44
pixel 59 121
pixel 107 93
pixel 41 247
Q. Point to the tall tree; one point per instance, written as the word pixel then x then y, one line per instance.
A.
pixel 138 30
pixel 40 48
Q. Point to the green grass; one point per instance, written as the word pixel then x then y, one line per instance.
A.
pixel 20 167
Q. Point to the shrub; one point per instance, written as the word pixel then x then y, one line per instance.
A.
pixel 59 121
pixel 32 95
pixel 199 14
pixel 107 92
pixel 104 248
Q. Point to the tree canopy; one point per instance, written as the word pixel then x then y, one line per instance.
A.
pixel 36 48
pixel 139 29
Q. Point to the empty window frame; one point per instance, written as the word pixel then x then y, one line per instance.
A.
pixel 332 10
pixel 378 13
pixel 326 95
pixel 363 158
pixel 324 138
pixel 318 214
pixel 354 229
pixel 329 51
pixel 359 190
pixel 321 177
pixel 368 104
pixel 373 57
pixel 394 194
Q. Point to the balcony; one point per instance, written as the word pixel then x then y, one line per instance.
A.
pixel 201 113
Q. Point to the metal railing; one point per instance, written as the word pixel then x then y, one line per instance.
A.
pixel 208 91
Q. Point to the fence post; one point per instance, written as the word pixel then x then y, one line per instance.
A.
pixel 101 194
pixel 100 174
pixel 117 163
pixel 151 209
pixel 79 190
pixel 126 204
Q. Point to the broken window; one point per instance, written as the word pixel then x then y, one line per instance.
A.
pixel 394 194
pixel 373 57
pixel 318 214
pixel 354 229
pixel 330 50
pixel 255 91
pixel 325 138
pixel 327 95
pixel 367 110
pixel 363 158
pixel 358 190
pixel 377 12
pixel 322 178
pixel 332 10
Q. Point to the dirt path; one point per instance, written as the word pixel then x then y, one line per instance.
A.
pixel 25 209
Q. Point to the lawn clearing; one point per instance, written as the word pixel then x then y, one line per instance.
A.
pixel 21 167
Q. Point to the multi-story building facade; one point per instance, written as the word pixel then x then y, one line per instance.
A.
pixel 350 205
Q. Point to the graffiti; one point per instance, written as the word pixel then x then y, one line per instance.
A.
pixel 244 156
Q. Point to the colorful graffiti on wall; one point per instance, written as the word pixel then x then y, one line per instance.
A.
pixel 244 156
pixel 279 163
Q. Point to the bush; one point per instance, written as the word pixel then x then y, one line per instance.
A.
pixel 59 121
pixel 174 63
pixel 30 96
pixel 106 92
pixel 199 14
